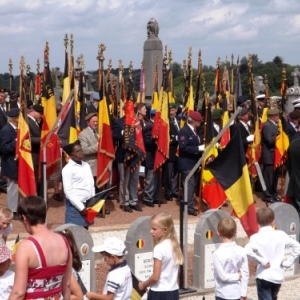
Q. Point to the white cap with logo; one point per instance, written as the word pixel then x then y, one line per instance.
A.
pixel 112 245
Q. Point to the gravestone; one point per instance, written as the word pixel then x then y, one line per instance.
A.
pixel 292 92
pixel 57 89
pixel 206 241
pixel 153 52
pixel 259 85
pixel 287 220
pixel 84 243
pixel 139 244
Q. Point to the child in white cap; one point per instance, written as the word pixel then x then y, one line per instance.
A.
pixel 6 276
pixel 118 284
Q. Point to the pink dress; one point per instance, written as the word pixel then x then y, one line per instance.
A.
pixel 45 283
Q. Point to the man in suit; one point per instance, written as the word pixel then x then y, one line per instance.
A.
pixel 88 138
pixel 9 167
pixel 293 166
pixel 3 117
pixel 170 174
pixel 243 127
pixel 268 139
pixel 261 104
pixel 34 119
pixel 93 107
pixel 152 181
pixel 293 124
pixel 130 198
pixel 190 149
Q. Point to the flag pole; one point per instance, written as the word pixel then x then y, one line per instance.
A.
pixel 44 165
pixel 185 191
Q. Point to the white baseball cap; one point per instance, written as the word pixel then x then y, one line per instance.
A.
pixel 112 245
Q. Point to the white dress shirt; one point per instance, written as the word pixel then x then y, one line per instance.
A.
pixel 229 260
pixel 78 183
pixel 268 245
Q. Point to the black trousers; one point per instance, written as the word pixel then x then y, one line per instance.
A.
pixel 271 179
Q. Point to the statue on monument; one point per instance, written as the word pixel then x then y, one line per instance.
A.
pixel 152 28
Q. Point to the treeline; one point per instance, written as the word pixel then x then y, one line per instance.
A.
pixel 272 69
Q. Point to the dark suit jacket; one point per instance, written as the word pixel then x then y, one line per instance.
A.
pixel 117 127
pixel 189 152
pixel 35 136
pixel 174 130
pixel 150 145
pixel 91 108
pixel 3 119
pixel 268 138
pixel 293 166
pixel 291 131
pixel 243 131
pixel 9 167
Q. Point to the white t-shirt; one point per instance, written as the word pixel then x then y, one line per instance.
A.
pixel 6 284
pixel 6 231
pixel 119 282
pixel 169 271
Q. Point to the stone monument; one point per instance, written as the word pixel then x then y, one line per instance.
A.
pixel 287 220
pixel 292 92
pixel 57 89
pixel 139 245
pixel 259 85
pixel 84 243
pixel 153 52
pixel 206 241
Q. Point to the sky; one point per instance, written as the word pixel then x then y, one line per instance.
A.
pixel 219 28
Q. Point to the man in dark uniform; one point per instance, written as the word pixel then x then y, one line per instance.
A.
pixel 93 107
pixel 242 101
pixel 34 118
pixel 9 166
pixel 190 149
pixel 3 117
pixel 293 124
pixel 170 174
pixel 261 104
pixel 130 179
pixel 243 127
pixel 268 139
pixel 152 181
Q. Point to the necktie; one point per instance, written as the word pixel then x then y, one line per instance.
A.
pixel 95 134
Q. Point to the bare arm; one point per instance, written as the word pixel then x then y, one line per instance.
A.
pixel 76 293
pixel 66 282
pixel 154 277
pixel 21 273
pixel 95 296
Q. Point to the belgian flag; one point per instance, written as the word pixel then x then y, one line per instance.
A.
pixel 13 258
pixel 137 294
pixel 231 171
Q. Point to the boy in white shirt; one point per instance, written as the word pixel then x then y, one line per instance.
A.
pixel 231 271
pixel 6 216
pixel 267 249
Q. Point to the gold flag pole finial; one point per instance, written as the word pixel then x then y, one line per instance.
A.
pixel 38 66
pixel 184 66
pixel 100 57
pixel 66 42
pixel 130 69
pixel 46 53
pixel 170 58
pixel 10 66
pixel 27 69
pixel 22 63
pixel 121 70
pixel 81 62
pixel 71 43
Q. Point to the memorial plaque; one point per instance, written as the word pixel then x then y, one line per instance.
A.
pixel 206 241
pixel 287 220
pixel 84 243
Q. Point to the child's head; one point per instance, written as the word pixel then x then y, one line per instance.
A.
pixel 5 257
pixel 77 264
pixel 227 228
pixel 162 227
pixel 113 250
pixel 265 216
pixel 6 216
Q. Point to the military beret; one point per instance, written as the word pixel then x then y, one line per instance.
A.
pixel 14 112
pixel 241 100
pixel 89 116
pixel 194 115
pixel 273 112
pixel 294 115
pixel 172 105
pixel 38 108
pixel 216 114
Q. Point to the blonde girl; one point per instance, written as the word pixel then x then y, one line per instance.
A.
pixel 167 257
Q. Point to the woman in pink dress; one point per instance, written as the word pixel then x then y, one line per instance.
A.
pixel 44 260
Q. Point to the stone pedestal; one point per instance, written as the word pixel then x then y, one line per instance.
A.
pixel 292 92
pixel 153 52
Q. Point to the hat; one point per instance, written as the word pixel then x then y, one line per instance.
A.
pixel 111 245
pixel 241 100
pixel 89 116
pixel 13 112
pixel 216 114
pixel 5 253
pixel 29 103
pixel 38 108
pixel 244 111
pixel 152 112
pixel 297 105
pixel 194 115
pixel 296 101
pixel 261 97
pixel 96 96
pixel 273 112
pixel 69 148
pixel 172 105
pixel 294 115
